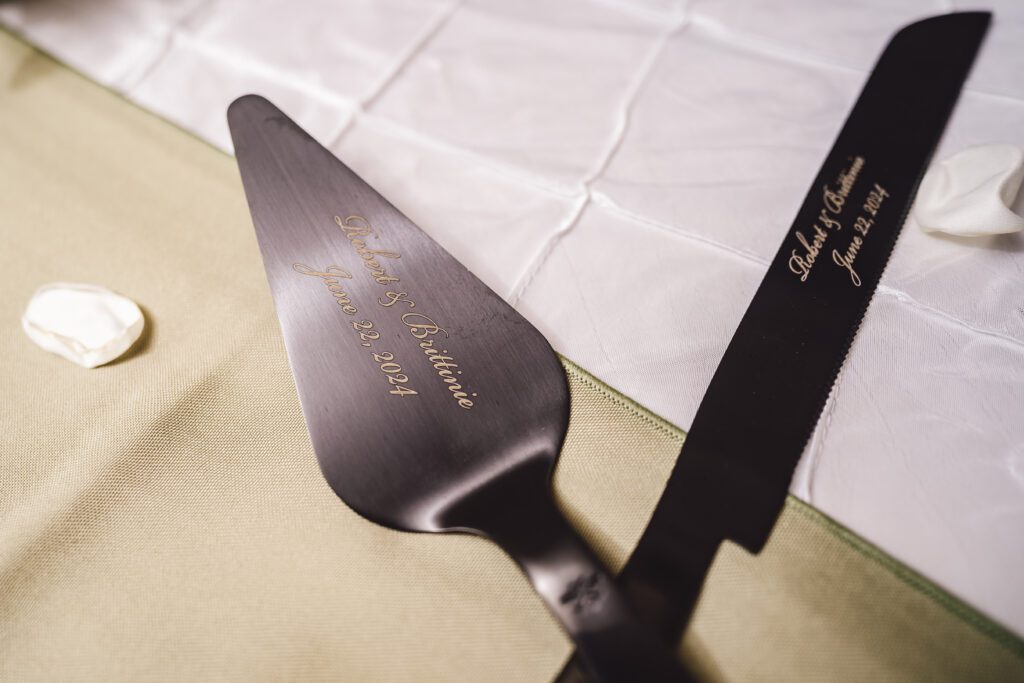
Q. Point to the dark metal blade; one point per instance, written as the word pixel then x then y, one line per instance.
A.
pixel 372 309
pixel 772 383
pixel 733 474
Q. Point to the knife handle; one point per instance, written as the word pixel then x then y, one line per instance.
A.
pixel 612 644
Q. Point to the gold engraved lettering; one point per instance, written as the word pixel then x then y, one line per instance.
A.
pixel 355 227
pixel 391 298
pixel 801 265
pixel 422 327
pixel 829 222
pixel 861 227
pixel 833 199
pixel 846 260
pixel 358 231
pixel 330 276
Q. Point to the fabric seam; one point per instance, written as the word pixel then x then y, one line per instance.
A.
pixel 910 578
pixel 623 401
pixel 917 582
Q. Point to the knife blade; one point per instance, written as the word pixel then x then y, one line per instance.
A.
pixel 733 473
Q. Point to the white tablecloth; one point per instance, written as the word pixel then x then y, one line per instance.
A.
pixel 622 172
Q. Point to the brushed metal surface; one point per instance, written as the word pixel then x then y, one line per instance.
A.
pixel 391 458
pixel 372 309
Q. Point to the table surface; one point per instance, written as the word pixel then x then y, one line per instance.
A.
pixel 622 172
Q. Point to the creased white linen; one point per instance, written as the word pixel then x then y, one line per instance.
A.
pixel 623 172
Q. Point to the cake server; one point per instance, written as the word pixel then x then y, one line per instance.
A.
pixel 432 405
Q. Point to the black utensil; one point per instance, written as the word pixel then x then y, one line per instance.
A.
pixel 432 404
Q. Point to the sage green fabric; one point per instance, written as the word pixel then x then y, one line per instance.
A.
pixel 163 518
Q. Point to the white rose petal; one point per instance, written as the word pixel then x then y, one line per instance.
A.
pixel 969 193
pixel 86 324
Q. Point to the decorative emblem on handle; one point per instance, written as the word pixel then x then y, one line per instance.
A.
pixel 583 593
